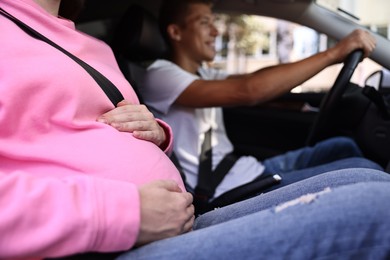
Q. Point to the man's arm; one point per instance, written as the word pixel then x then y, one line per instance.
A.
pixel 271 82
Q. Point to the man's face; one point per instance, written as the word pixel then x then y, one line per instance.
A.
pixel 198 33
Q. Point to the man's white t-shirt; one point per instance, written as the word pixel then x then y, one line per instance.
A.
pixel 162 84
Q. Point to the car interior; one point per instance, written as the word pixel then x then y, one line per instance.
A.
pixel 360 112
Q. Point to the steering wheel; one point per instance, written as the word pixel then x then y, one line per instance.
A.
pixel 333 97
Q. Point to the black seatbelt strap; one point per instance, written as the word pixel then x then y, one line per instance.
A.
pixel 247 190
pixel 205 166
pixel 107 86
pixel 208 180
pixel 223 168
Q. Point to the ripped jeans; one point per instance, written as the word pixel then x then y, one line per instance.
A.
pixel 349 220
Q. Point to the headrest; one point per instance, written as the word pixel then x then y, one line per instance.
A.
pixel 137 36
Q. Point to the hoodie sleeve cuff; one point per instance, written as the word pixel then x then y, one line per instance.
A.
pixel 167 146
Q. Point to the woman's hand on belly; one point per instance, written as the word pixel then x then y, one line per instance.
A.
pixel 136 119
pixel 166 211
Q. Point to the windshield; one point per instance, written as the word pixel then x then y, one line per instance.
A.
pixel 373 14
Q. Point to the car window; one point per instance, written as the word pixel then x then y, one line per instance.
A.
pixel 248 42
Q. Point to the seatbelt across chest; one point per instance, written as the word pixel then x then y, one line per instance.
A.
pixel 106 85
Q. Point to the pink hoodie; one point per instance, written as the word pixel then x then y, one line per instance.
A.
pixel 67 183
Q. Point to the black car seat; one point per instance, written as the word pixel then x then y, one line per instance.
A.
pixel 136 43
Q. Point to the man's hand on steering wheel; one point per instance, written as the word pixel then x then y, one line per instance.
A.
pixel 358 39
pixel 351 50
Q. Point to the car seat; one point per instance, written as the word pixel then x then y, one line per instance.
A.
pixel 136 43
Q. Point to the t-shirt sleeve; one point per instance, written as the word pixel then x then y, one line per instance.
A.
pixel 163 83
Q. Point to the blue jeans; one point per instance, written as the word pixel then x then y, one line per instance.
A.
pixel 328 155
pixel 350 220
pixel 326 151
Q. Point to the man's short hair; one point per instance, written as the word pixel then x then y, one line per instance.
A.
pixel 174 12
pixel 71 9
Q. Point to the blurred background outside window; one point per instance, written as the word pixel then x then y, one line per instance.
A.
pixel 247 43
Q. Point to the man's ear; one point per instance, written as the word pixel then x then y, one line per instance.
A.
pixel 174 32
